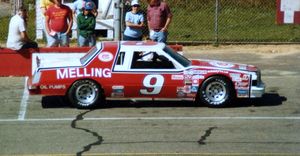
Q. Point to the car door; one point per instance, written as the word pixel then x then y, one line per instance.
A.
pixel 146 74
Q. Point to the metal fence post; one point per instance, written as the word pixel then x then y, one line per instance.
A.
pixel 217 23
pixel 117 20
pixel 16 5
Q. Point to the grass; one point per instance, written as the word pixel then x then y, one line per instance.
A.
pixel 4 24
pixel 235 24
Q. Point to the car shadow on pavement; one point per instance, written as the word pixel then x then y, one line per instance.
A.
pixel 269 99
pixel 55 102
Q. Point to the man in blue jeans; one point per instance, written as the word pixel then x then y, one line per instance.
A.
pixel 86 22
pixel 159 17
pixel 59 20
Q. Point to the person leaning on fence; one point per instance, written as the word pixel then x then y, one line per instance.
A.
pixel 134 23
pixel 86 23
pixel 159 17
pixel 59 22
pixel 17 36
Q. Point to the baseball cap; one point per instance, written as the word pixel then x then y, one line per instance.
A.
pixel 134 2
pixel 88 6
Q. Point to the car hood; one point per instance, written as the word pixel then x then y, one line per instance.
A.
pixel 222 65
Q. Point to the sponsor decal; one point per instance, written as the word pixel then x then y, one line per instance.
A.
pixel 198 77
pixel 67 73
pixel 221 64
pixel 242 93
pixel 187 89
pixel 194 89
pixel 188 82
pixel 177 77
pixel 105 56
pixel 200 72
pixel 241 84
pixel 236 77
pixel 180 92
pixel 217 71
pixel 190 95
pixel 188 72
pixel 57 86
pixel 195 81
pixel 188 77
pixel 245 78
pixel 117 91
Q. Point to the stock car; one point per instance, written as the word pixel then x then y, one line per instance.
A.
pixel 144 71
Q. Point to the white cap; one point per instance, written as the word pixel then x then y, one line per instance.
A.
pixel 134 2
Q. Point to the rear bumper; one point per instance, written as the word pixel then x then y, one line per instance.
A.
pixel 33 89
pixel 258 91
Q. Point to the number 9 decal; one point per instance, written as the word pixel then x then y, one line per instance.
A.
pixel 153 84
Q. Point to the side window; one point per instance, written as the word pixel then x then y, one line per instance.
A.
pixel 120 60
pixel 150 60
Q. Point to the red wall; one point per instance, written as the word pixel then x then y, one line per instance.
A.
pixel 18 63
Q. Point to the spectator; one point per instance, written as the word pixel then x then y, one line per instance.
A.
pixel 159 17
pixel 17 35
pixel 86 23
pixel 44 5
pixel 134 23
pixel 59 22
pixel 78 6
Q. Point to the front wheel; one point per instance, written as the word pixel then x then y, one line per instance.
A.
pixel 84 94
pixel 216 91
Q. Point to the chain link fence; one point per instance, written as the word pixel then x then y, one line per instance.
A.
pixel 227 21
pixel 212 21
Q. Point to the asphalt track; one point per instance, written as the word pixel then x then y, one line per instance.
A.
pixel 36 125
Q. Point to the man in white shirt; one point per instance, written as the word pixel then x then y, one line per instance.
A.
pixel 17 35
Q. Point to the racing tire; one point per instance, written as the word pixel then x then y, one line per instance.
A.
pixel 85 94
pixel 216 91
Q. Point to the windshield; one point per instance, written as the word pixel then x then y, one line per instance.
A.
pixel 179 58
pixel 88 55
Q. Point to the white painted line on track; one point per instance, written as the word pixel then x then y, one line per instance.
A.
pixel 153 118
pixel 23 105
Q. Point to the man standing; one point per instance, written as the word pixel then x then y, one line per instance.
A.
pixel 17 35
pixel 86 23
pixel 44 5
pixel 59 22
pixel 159 17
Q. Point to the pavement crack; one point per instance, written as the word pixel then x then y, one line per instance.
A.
pixel 201 141
pixel 88 147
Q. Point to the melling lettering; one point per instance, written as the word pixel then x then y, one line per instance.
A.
pixel 82 72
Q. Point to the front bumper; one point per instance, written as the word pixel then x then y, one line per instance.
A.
pixel 258 91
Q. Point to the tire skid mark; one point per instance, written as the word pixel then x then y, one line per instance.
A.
pixel 95 134
pixel 201 141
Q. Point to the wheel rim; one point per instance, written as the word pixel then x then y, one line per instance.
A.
pixel 86 94
pixel 216 92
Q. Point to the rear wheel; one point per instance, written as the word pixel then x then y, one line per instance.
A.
pixel 85 94
pixel 216 91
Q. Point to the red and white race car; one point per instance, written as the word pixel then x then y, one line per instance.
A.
pixel 145 71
